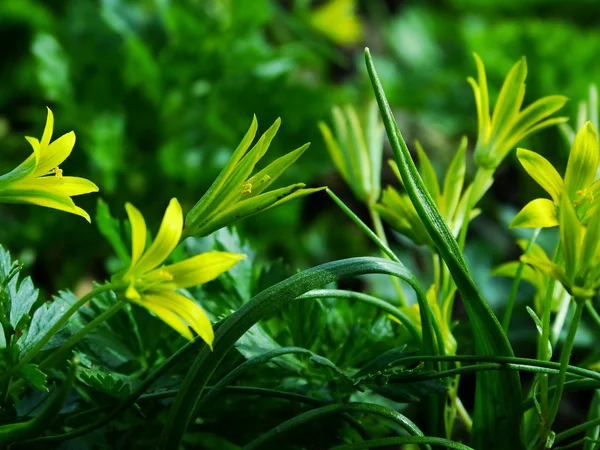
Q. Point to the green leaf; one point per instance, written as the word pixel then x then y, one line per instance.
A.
pixel 544 173
pixel 428 173
pixel 35 376
pixel 583 161
pixel 112 384
pixel 538 326
pixel 22 297
pixel 42 321
pixel 110 228
pixel 497 419
pixel 538 213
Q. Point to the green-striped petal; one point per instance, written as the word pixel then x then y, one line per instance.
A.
pixel 202 268
pixel 168 317
pixel 166 240
pixel 54 155
pixel 138 233
pixel 583 161
pixel 539 213
pixel 544 173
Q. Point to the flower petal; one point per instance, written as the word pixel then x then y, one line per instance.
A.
pixel 138 233
pixel 539 213
pixel 202 268
pixel 168 317
pixel 47 130
pixel 166 240
pixel 54 155
pixel 544 173
pixel 187 310
pixel 70 186
pixel 583 161
pixel 43 197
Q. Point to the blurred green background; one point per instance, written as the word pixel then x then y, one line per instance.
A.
pixel 160 92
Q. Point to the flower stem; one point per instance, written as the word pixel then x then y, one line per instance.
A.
pixel 60 323
pixel 380 232
pixel 516 282
pixel 565 356
pixel 81 333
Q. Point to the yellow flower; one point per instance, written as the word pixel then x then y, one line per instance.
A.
pixel 578 183
pixel 39 181
pixel 153 287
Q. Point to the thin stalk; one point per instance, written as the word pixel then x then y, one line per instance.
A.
pixel 404 440
pixel 578 429
pixel 60 323
pixel 380 232
pixel 542 349
pixel 370 300
pixel 516 282
pixel 319 413
pixel 364 228
pixel 50 359
pixel 565 356
pixel 569 386
pixel 593 314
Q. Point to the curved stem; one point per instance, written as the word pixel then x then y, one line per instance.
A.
pixel 60 323
pixel 265 304
pixel 516 283
pixel 404 440
pixel 236 373
pixel 592 375
pixel 368 299
pixel 319 413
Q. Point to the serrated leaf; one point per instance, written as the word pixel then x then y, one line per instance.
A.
pixel 21 296
pixel 35 376
pixel 42 321
pixel 108 383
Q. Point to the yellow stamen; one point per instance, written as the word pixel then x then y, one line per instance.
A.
pixel 247 188
pixel 58 172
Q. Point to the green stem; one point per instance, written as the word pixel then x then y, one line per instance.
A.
pixel 50 359
pixel 542 349
pixel 60 323
pixel 364 228
pixel 593 313
pixel 404 440
pixel 565 356
pixel 516 282
pixel 578 429
pixel 370 300
pixel 380 232
pixel 569 386
pixel 319 413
